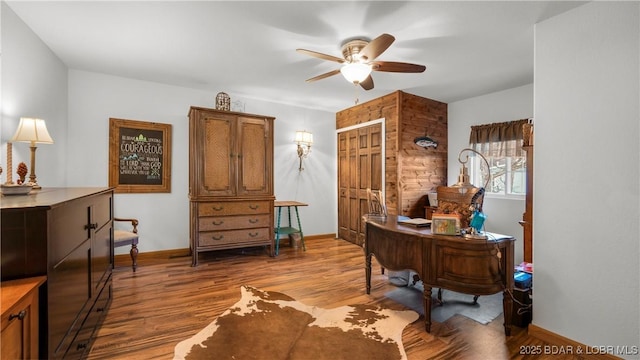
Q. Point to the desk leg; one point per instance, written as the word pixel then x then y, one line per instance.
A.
pixel 278 231
pixel 367 272
pixel 427 307
pixel 304 247
pixel 507 307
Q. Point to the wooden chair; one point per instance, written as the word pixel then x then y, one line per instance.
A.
pixel 124 237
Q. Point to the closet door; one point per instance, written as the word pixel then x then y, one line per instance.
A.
pixel 359 168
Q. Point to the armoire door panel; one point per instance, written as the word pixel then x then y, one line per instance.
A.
pixel 254 172
pixel 217 157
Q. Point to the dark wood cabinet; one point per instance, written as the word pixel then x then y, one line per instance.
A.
pixel 230 180
pixel 67 235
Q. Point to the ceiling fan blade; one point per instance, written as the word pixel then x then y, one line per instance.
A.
pixel 325 75
pixel 367 84
pixel 320 55
pixel 393 66
pixel 376 47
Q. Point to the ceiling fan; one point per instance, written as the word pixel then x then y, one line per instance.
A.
pixel 359 61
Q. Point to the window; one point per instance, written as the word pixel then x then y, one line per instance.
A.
pixel 500 144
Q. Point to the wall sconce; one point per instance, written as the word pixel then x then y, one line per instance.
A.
pixel 303 139
pixel 32 131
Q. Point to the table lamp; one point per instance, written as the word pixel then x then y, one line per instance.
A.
pixel 477 217
pixel 33 131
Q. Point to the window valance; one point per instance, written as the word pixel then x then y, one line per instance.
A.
pixel 498 139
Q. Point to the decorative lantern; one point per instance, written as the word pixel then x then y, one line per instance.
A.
pixel 223 101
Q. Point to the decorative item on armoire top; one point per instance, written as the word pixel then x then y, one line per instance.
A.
pixel 223 101
pixel 237 106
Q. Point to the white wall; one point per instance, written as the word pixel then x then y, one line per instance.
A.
pixel 164 218
pixel 77 106
pixel 513 104
pixel 586 188
pixel 34 84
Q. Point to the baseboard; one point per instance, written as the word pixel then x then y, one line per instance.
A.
pixel 565 345
pixel 125 259
pixel 319 236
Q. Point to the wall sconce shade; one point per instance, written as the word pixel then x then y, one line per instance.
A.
pixel 304 140
pixel 33 131
pixel 356 72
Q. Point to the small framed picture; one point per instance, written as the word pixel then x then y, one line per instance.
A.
pixel 445 224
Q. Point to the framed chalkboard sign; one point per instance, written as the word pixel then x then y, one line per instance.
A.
pixel 139 156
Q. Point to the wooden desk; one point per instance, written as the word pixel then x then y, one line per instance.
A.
pixel 289 229
pixel 475 267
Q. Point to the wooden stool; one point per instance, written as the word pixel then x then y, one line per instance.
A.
pixel 123 237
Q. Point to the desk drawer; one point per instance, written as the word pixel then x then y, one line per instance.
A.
pixel 233 222
pixel 223 208
pixel 245 236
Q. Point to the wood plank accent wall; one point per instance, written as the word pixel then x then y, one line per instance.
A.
pixel 411 171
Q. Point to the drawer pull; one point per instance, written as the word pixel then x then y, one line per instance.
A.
pixel 253 221
pixel 253 234
pixel 91 226
pixel 218 208
pixel 81 346
pixel 21 315
pixel 218 222
pixel 253 207
pixel 218 237
pixel 99 309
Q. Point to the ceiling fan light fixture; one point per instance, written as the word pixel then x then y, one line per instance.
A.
pixel 356 72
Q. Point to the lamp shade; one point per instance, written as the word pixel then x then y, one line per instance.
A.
pixel 32 130
pixel 355 72
pixel 303 138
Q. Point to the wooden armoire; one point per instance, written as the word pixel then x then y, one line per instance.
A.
pixel 230 180
pixel 366 153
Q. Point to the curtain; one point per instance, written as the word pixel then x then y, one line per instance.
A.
pixel 498 139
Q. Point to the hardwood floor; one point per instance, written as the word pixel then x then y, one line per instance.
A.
pixel 166 301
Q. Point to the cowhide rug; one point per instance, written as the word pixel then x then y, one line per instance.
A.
pixel 270 325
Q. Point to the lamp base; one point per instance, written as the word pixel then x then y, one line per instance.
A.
pixel 34 185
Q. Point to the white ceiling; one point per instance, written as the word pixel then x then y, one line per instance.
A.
pixel 247 49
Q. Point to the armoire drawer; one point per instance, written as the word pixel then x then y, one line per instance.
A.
pixel 222 208
pixel 233 222
pixel 245 236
